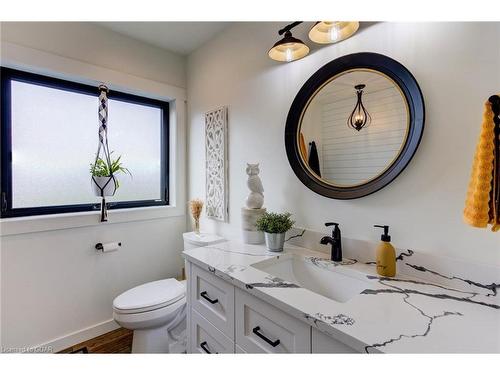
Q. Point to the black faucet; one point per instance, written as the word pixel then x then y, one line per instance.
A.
pixel 336 241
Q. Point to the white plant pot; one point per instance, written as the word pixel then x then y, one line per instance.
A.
pixel 275 241
pixel 105 183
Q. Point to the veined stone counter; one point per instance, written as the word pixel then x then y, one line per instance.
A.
pixel 421 310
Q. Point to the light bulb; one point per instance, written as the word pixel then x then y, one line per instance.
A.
pixel 334 33
pixel 289 55
pixel 358 119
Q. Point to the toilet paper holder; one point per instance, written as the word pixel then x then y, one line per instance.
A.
pixel 111 246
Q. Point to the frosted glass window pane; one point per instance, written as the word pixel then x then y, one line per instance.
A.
pixel 54 140
pixel 135 133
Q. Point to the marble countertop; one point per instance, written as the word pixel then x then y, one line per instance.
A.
pixel 403 314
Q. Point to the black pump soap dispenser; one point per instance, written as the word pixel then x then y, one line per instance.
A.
pixel 386 254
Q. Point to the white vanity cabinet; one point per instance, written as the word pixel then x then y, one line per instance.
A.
pixel 226 319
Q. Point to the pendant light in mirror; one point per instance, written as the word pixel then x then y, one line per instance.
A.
pixel 289 48
pixel 359 118
pixel 325 32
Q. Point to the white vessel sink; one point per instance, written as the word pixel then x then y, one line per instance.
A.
pixel 319 275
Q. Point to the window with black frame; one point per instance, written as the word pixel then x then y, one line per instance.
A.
pixel 49 131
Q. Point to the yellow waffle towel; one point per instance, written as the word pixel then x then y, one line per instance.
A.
pixel 480 209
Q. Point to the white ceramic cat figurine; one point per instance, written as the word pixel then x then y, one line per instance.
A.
pixel 255 199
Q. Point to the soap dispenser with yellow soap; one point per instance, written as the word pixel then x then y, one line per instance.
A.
pixel 386 254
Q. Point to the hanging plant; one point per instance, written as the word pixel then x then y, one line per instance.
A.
pixel 104 175
pixel 104 168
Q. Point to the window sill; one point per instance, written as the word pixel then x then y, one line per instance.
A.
pixel 42 223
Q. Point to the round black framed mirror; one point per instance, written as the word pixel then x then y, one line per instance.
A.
pixel 354 125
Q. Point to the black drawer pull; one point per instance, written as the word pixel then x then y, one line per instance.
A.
pixel 274 344
pixel 205 295
pixel 204 346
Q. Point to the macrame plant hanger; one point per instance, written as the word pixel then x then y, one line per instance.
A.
pixel 104 185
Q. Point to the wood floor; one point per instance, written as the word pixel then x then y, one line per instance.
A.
pixel 117 341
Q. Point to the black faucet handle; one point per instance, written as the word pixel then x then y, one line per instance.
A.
pixel 330 224
pixel 335 231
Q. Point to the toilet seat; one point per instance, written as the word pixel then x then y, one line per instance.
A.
pixel 151 318
pixel 148 297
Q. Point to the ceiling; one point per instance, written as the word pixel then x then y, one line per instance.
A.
pixel 179 37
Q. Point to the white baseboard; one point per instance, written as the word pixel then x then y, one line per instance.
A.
pixel 77 337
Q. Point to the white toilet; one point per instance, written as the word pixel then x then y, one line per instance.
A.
pixel 156 311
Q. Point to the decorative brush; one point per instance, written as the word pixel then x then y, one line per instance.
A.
pixel 196 206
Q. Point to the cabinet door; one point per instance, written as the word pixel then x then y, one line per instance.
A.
pixel 261 328
pixel 322 343
pixel 213 298
pixel 206 338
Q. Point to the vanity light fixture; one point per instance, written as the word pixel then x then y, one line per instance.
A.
pixel 324 32
pixel 359 117
pixel 289 48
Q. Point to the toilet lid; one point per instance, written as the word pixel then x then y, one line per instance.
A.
pixel 150 296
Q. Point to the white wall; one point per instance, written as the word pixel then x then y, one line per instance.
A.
pixel 96 45
pixel 457 67
pixel 55 288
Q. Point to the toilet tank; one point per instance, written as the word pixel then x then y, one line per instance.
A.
pixel 192 240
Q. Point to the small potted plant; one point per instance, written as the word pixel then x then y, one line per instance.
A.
pixel 275 226
pixel 101 172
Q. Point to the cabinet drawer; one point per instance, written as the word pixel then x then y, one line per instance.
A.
pixel 206 338
pixel 261 328
pixel 322 343
pixel 213 298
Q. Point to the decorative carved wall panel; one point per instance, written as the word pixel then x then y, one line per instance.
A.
pixel 216 164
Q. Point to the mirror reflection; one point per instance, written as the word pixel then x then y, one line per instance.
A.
pixel 354 128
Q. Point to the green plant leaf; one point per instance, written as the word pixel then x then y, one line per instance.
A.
pixel 272 222
pixel 101 168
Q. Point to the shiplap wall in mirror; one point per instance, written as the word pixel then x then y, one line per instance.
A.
pixel 348 157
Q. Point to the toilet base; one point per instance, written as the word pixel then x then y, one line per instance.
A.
pixel 153 340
